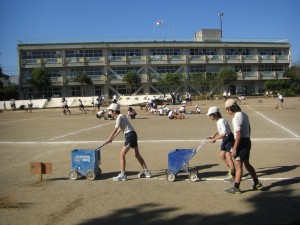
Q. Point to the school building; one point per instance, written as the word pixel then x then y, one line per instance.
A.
pixel 106 62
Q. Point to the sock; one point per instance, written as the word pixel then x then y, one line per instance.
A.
pixel 232 172
pixel 255 180
pixel 237 185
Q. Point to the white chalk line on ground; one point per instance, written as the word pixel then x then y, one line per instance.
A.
pixel 14 121
pixel 79 131
pixel 277 124
pixel 140 141
pixel 222 179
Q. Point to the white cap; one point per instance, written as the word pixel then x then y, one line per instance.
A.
pixel 212 109
pixel 114 107
pixel 230 102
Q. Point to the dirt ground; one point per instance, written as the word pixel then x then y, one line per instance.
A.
pixel 48 136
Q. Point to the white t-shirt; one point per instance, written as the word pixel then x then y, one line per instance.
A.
pixel 223 127
pixel 124 124
pixel 182 109
pixel 240 122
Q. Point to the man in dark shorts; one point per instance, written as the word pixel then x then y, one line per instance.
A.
pixel 242 146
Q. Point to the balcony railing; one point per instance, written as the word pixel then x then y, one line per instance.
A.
pixel 160 59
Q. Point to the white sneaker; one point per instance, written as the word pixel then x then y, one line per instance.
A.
pixel 120 177
pixel 145 173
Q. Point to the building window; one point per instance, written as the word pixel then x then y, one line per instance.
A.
pixel 270 68
pixel 242 68
pixel 269 51
pixel 126 52
pixel 167 69
pixel 40 54
pixel 197 69
pixel 124 70
pixel 165 51
pixel 203 51
pixel 91 53
pixel 89 71
pixel 237 51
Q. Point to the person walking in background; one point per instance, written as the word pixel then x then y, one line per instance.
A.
pixel 12 104
pixel 131 141
pixel 98 103
pixel 65 107
pixel 225 95
pixel 30 106
pixel 81 106
pixel 280 100
pixel 242 146
pixel 223 132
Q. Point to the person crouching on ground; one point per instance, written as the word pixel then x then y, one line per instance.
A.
pixel 131 113
pixel 174 115
pixel 101 114
pixel 131 141
pixel 224 131
pixel 242 146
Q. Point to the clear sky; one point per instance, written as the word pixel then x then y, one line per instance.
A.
pixel 42 20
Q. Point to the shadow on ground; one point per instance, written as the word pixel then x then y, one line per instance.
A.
pixel 278 207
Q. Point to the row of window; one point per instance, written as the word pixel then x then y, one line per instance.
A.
pixel 94 53
pixel 96 71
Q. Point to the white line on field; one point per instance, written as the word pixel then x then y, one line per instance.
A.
pixel 277 124
pixel 13 121
pixel 140 141
pixel 79 131
pixel 222 179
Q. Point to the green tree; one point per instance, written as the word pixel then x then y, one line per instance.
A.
pixel 173 80
pixel 82 78
pixel 40 78
pixel 3 76
pixel 294 74
pixel 132 78
pixel 227 75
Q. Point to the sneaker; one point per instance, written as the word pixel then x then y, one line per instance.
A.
pixel 233 190
pixel 229 178
pixel 120 177
pixel 258 186
pixel 145 173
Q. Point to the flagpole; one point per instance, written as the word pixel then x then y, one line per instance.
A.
pixel 164 30
pixel 154 30
pixel 173 32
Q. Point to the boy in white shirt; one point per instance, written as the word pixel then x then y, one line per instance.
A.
pixel 223 132
pixel 123 124
pixel 242 146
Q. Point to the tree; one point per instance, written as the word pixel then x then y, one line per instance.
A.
pixel 83 79
pixel 173 79
pixel 2 75
pixel 132 78
pixel 40 78
pixel 294 74
pixel 227 75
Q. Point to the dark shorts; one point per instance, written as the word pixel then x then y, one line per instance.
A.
pixel 227 143
pixel 243 150
pixel 131 139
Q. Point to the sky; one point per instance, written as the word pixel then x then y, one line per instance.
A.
pixel 37 21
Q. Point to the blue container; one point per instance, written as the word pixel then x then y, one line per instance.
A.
pixel 85 163
pixel 178 159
